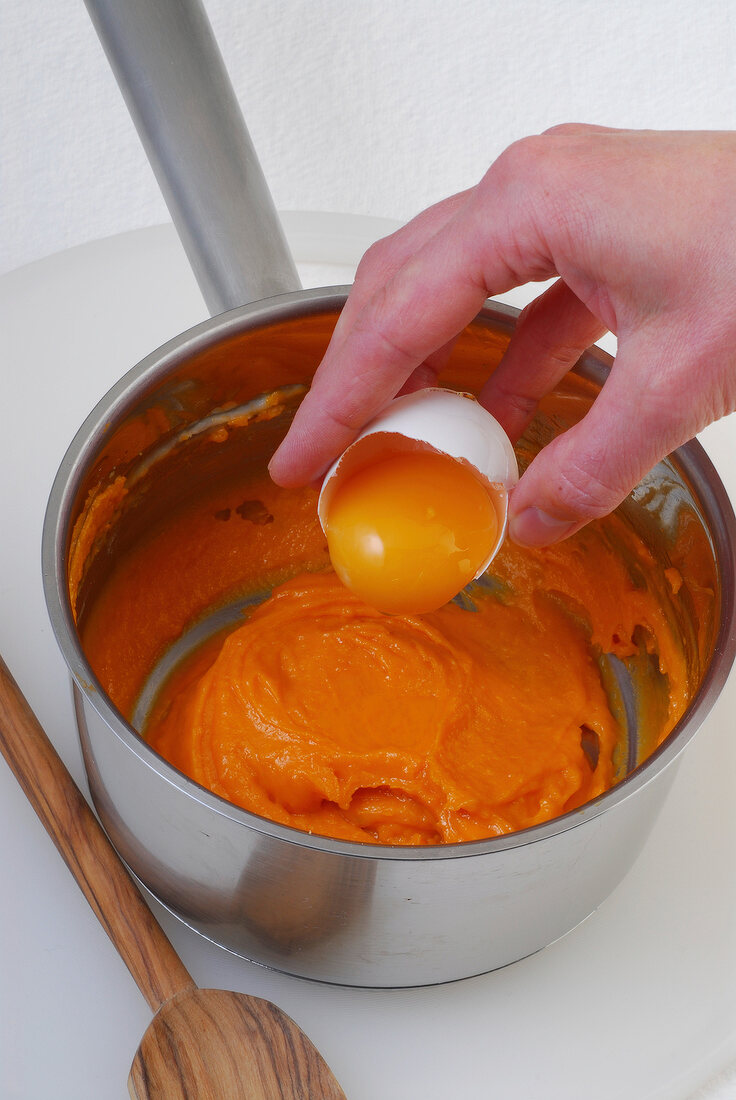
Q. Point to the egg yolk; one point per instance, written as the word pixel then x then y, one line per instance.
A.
pixel 409 531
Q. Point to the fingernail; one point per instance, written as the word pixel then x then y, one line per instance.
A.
pixel 533 527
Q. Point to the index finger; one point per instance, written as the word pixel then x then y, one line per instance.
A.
pixel 433 295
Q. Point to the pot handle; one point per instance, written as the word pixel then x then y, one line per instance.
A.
pixel 171 73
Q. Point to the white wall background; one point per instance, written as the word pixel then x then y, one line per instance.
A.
pixel 365 106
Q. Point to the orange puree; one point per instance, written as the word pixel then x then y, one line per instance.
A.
pixel 321 713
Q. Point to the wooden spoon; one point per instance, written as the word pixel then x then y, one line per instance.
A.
pixel 207 1044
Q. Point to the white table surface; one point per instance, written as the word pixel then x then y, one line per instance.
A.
pixel 639 1002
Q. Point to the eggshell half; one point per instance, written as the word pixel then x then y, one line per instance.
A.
pixel 439 420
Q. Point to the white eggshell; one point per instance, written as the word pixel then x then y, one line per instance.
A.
pixel 445 421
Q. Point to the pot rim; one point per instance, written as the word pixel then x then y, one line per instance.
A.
pixel 691 458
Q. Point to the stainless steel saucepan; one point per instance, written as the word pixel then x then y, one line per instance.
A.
pixel 308 905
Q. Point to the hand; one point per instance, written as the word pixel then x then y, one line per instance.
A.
pixel 639 227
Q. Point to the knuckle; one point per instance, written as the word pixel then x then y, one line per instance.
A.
pixel 345 417
pixel 538 158
pixel 524 158
pixel 374 260
pixel 553 354
pixel 586 491
pixel 521 405
pixel 381 326
pixel 535 173
pixel 393 349
pixel 566 129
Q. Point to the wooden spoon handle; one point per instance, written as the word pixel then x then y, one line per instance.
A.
pixel 157 969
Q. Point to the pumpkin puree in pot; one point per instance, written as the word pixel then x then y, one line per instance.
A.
pixel 323 714
pixel 318 712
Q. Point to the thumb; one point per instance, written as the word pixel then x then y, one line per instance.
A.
pixel 588 470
